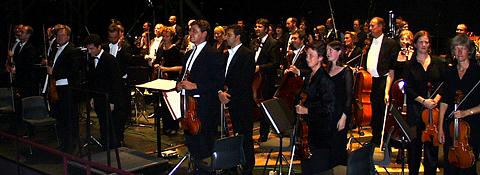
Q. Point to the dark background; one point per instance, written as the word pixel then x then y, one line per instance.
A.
pixel 440 17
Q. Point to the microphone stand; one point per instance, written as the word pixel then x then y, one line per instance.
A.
pixel 333 19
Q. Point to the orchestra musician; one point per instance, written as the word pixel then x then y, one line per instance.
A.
pixel 219 36
pixel 463 75
pixel 267 54
pixel 342 77
pixel 104 76
pixel 297 58
pixel 155 43
pixel 318 108
pixel 405 53
pixel 380 58
pixel 421 70
pixel 177 40
pixel 66 63
pixel 122 51
pixel 238 96
pixel 206 68
pixel 352 49
pixel 167 65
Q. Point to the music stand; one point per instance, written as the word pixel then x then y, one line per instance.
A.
pixel 282 120
pixel 407 132
pixel 161 85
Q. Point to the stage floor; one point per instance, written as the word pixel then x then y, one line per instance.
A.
pixel 140 135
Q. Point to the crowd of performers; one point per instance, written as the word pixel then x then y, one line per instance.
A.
pixel 233 66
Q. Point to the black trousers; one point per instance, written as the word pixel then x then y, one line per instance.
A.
pixel 378 107
pixel 113 129
pixel 200 146
pixel 414 155
pixel 66 114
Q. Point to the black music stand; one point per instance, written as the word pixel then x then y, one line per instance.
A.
pixel 407 132
pixel 282 120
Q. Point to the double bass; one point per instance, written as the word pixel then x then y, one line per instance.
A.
pixel 363 88
pixel 460 153
pixel 190 122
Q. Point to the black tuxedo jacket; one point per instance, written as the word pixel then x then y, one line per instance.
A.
pixel 24 64
pixel 105 77
pixel 208 72
pixel 68 64
pixel 301 63
pixel 387 56
pixel 268 62
pixel 239 82
pixel 123 56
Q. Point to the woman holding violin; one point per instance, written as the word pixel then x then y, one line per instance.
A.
pixel 342 77
pixel 318 108
pixel 424 74
pixel 462 76
pixel 167 65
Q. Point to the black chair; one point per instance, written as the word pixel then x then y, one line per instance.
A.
pixel 227 153
pixel 35 114
pixel 360 162
pixel 6 101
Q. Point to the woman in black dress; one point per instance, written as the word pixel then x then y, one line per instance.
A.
pixel 342 77
pixel 169 64
pixel 318 108
pixel 405 53
pixel 352 51
pixel 463 76
pixel 421 70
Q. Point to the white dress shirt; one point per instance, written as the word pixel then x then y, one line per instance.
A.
pixel 64 81
pixel 372 57
pixel 231 53
pixel 257 53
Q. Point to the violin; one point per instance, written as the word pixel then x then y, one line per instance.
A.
pixel 430 118
pixel 304 146
pixel 228 118
pixel 190 122
pixel 460 153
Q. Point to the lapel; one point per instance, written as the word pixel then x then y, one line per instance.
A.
pixel 234 60
pixel 265 47
pixel 199 58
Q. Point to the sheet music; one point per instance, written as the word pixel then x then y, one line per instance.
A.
pixel 159 84
pixel 172 99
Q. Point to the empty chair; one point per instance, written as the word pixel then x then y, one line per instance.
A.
pixel 35 114
pixel 6 101
pixel 227 153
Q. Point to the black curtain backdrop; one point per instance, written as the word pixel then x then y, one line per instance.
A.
pixel 439 17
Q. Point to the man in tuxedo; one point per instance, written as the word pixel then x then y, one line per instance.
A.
pixel 291 25
pixel 238 94
pixel 380 59
pixel 205 68
pixel 267 54
pixel 104 76
pixel 177 40
pixel 122 52
pixel 65 72
pixel 297 58
pixel 24 58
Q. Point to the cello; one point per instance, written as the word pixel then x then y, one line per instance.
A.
pixel 430 118
pixel 460 153
pixel 257 87
pixel 363 88
pixel 399 101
